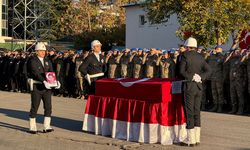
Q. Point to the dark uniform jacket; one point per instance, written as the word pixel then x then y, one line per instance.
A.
pixel 91 65
pixel 37 71
pixel 238 71
pixel 216 63
pixel 177 66
pixel 191 63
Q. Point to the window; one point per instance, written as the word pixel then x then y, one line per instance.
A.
pixel 4 2
pixel 4 9
pixel 4 24
pixel 142 20
pixel 4 32
pixel 4 17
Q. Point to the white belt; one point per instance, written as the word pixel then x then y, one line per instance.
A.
pixel 31 82
pixel 88 77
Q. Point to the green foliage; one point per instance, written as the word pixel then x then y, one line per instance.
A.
pixel 85 21
pixel 211 22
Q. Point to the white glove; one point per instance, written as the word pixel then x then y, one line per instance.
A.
pixel 58 85
pixel 88 78
pixel 197 78
pixel 47 85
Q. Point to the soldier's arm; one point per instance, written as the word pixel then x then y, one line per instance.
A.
pixel 172 69
pixel 74 59
pixel 83 67
pixel 158 60
pixel 144 59
pixel 50 66
pixel 58 68
pixel 107 58
pixel 105 67
pixel 67 69
pixel 228 57
pixel 183 71
pixel 207 71
pixel 131 57
pixel 119 58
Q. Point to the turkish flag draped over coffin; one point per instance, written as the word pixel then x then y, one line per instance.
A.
pixel 151 90
pixel 142 110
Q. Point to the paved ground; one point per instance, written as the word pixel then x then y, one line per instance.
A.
pixel 219 131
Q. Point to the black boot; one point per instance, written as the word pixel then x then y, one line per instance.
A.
pixel 214 108
pixel 203 107
pixel 240 110
pixel 234 110
pixel 219 110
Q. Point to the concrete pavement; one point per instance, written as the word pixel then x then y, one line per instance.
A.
pixel 219 131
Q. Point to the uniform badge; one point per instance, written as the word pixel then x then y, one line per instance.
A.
pixel 102 60
pixel 46 63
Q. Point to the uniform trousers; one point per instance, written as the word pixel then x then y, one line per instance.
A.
pixel 192 103
pixel 40 93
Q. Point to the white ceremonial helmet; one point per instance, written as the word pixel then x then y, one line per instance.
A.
pixel 94 43
pixel 40 46
pixel 191 42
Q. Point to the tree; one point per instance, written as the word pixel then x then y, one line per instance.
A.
pixel 211 22
pixel 85 21
pixel 57 10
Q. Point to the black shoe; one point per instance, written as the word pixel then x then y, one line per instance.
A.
pixel 234 110
pixel 188 145
pixel 240 110
pixel 214 109
pixel 48 130
pixel 203 107
pixel 32 132
pixel 219 110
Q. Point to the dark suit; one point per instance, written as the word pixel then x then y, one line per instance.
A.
pixel 91 66
pixel 193 63
pixel 37 72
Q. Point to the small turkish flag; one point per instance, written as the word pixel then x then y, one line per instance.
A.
pixel 244 39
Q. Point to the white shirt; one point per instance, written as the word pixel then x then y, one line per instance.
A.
pixel 41 59
pixel 97 55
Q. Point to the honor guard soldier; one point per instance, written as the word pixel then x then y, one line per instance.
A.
pixel 238 77
pixel 216 62
pixel 78 60
pixel 150 63
pixel 124 61
pixel 136 60
pixel 167 65
pixel 112 60
pixel 93 67
pixel 194 69
pixel 40 88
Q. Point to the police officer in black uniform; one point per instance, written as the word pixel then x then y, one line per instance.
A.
pixel 216 62
pixel 39 64
pixel 93 64
pixel 194 69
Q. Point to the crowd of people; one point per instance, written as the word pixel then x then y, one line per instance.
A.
pixel 226 89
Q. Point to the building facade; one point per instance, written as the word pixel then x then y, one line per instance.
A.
pixel 140 33
pixel 4 18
